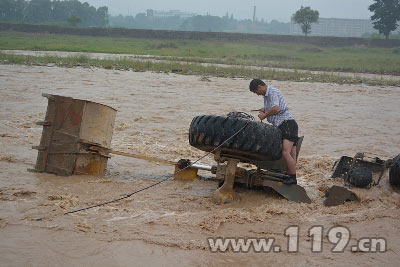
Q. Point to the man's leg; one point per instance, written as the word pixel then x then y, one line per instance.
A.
pixel 287 155
pixel 293 153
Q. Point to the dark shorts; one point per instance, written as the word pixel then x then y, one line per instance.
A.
pixel 290 131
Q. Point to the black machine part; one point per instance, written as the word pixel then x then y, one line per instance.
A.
pixel 183 163
pixel 338 195
pixel 394 173
pixel 359 177
pixel 346 165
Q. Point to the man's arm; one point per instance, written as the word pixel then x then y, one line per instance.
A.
pixel 262 115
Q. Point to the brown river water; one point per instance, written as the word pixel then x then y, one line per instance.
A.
pixel 169 224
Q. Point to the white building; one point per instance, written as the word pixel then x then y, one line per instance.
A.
pixel 337 27
pixel 170 13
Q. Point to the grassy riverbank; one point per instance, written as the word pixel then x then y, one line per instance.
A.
pixel 284 55
pixel 190 69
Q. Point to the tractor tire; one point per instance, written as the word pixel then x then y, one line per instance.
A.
pixel 257 141
pixel 394 173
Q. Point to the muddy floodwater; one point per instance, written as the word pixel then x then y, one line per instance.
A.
pixel 169 224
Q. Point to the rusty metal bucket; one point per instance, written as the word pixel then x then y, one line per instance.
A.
pixel 70 126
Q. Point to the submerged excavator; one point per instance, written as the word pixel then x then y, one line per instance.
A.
pixel 76 139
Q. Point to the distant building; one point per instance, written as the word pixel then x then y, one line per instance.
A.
pixel 171 13
pixel 337 27
pixel 150 13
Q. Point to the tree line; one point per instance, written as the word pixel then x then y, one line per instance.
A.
pixel 74 13
pixel 205 23
pixel 71 12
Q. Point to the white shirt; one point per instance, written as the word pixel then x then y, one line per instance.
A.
pixel 273 97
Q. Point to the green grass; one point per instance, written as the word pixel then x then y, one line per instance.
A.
pixel 268 54
pixel 190 69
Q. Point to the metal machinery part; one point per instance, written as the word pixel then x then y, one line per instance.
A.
pixel 337 195
pixel 345 165
pixel 360 177
pixel 268 174
pixel 69 126
pixel 394 174
pixel 76 139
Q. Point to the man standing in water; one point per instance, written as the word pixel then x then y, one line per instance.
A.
pixel 276 112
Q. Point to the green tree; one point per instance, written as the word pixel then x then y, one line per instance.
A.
pixel 102 16
pixel 12 10
pixel 38 11
pixel 74 20
pixel 58 11
pixel 305 16
pixel 205 23
pixel 386 15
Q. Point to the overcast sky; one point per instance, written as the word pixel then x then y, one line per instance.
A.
pixel 268 9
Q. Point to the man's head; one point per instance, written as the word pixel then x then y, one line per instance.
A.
pixel 258 87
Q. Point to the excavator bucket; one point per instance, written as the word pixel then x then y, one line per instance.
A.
pixel 70 124
pixel 294 193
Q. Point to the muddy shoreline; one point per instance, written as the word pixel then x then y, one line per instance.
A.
pixel 170 224
pixel 153 58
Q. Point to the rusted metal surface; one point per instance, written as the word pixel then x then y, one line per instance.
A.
pixel 69 124
pixel 97 124
pixel 259 179
pixel 291 192
pixel 90 163
pixel 185 174
pixel 97 148
pixel 185 170
pixel 268 174
pixel 225 194
pixel 394 173
pixel 338 195
pixel 345 165
pixel 131 155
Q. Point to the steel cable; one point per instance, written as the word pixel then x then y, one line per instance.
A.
pixel 159 182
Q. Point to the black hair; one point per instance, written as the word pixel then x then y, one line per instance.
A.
pixel 254 84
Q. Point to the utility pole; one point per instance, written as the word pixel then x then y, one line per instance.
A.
pixel 254 14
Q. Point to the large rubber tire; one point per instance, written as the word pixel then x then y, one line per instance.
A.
pixel 394 173
pixel 258 141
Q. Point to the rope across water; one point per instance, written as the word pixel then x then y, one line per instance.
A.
pixel 159 182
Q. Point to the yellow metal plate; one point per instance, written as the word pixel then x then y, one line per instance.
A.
pixel 186 174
